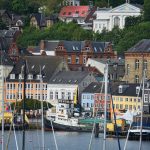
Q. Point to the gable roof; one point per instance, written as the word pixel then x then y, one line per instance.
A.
pixel 74 11
pixel 68 77
pixel 48 65
pixel 141 46
pixel 126 7
pixel 77 46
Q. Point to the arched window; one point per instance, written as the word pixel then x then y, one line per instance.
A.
pixel 117 21
pixel 136 79
pixel 136 64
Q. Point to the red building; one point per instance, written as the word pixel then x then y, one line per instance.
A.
pixel 76 53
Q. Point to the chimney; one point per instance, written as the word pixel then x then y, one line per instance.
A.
pixel 42 45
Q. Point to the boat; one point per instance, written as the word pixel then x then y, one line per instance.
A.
pixel 14 121
pixel 135 131
pixel 63 119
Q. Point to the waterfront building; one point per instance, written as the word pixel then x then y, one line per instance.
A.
pixel 76 53
pixel 6 65
pixel 116 67
pixel 126 97
pixel 68 85
pixel 137 59
pixel 108 18
pixel 39 70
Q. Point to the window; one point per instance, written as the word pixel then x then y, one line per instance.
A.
pixel 130 107
pixel 137 63
pixel 120 89
pixel 136 79
pixel 12 76
pixel 69 95
pixel 63 95
pixel 21 76
pixel 145 64
pixel 84 59
pixel 69 59
pixel 126 99
pixel 30 76
pixel 39 76
pixel 51 95
pixel 77 59
pixel 69 13
pixel 128 69
pixel 117 21
pixel 126 107
pixel 87 48
pixel 121 106
pixel 145 98
pixel 137 90
pixel 117 106
pixel 121 99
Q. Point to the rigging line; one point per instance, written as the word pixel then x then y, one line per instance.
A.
pixel 90 144
pixel 131 121
pixel 55 141
pixel 116 127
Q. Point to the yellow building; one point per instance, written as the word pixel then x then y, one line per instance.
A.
pixel 126 97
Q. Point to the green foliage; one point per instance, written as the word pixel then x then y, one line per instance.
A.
pixel 31 104
pixel 60 31
pixel 147 10
pixel 132 20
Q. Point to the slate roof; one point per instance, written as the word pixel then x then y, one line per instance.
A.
pixel 79 45
pixel 94 87
pixel 5 59
pixel 74 11
pixel 141 46
pixel 48 65
pixel 129 91
pixel 68 77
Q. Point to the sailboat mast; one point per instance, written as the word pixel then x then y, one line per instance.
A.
pixel 41 94
pixel 141 123
pixel 2 86
pixel 105 104
pixel 24 97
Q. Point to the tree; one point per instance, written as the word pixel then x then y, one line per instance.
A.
pixel 132 20
pixel 147 10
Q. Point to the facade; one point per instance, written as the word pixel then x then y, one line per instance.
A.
pixel 6 65
pixel 126 97
pixel 116 67
pixel 68 85
pixel 39 69
pixel 137 59
pixel 108 18
pixel 76 53
pixel 39 20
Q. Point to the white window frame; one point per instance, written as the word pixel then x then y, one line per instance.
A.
pixel 12 76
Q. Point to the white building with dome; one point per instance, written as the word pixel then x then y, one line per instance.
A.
pixel 108 18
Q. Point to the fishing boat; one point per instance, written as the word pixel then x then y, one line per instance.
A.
pixel 63 119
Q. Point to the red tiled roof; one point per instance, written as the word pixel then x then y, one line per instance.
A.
pixel 74 11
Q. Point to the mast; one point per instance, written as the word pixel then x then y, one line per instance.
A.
pixel 41 93
pixel 105 105
pixel 2 90
pixel 24 97
pixel 141 123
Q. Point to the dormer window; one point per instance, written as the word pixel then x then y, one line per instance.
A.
pixel 137 90
pixel 87 48
pixel 21 76
pixel 120 89
pixel 39 76
pixel 30 76
pixel 12 76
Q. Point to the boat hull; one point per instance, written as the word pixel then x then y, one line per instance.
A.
pixel 62 127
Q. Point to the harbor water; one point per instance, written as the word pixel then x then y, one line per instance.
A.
pixel 66 141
